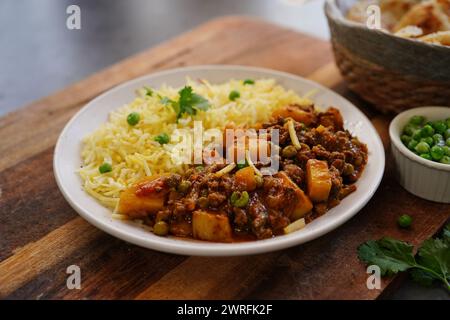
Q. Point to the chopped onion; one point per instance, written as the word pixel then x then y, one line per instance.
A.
pixel 119 216
pixel 250 163
pixel 293 135
pixel 225 170
pixel 294 226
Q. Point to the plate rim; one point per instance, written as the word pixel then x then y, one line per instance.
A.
pixel 179 246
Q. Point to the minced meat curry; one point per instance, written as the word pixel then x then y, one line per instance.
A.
pixel 318 168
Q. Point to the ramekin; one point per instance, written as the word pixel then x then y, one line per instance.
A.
pixel 424 178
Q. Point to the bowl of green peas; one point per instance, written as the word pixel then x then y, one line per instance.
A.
pixel 420 143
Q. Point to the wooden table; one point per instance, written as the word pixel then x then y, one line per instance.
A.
pixel 40 234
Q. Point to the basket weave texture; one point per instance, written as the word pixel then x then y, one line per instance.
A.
pixel 388 91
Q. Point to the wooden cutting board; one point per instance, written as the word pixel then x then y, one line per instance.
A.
pixel 40 234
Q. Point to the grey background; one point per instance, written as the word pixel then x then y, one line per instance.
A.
pixel 39 55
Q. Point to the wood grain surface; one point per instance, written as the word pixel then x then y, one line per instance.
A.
pixel 40 235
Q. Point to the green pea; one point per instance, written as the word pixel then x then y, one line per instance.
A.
pixel 404 221
pixel 184 186
pixel 427 131
pixel 234 95
pixel 249 81
pixel 439 126
pixel 422 147
pixel 409 129
pixel 426 156
pixel 412 144
pixel 238 199
pixel 445 160
pixel 203 202
pixel 446 150
pixel 163 138
pixel 348 169
pixel 133 118
pixel 243 200
pixel 417 135
pixel 405 139
pixel 417 120
pixel 161 228
pixel 104 168
pixel 437 152
pixel 438 138
pixel 289 151
pixel 428 140
pixel 447 133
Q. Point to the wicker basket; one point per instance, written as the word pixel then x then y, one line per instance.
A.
pixel 390 72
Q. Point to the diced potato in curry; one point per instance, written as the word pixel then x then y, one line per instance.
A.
pixel 211 226
pixel 139 206
pixel 304 204
pixel 245 179
pixel 318 180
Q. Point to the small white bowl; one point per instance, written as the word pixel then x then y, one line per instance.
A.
pixel 424 178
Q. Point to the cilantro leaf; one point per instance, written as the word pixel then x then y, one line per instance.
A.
pixel 446 234
pixel 389 254
pixel 185 101
pixel 432 262
pixel 434 254
pixel 189 102
pixel 199 102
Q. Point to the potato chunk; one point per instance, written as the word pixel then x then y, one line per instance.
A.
pixel 296 113
pixel 136 206
pixel 303 205
pixel 318 180
pixel 245 179
pixel 211 226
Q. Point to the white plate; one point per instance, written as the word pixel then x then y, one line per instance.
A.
pixel 67 160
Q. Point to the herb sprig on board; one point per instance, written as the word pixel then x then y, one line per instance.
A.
pixel 432 262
